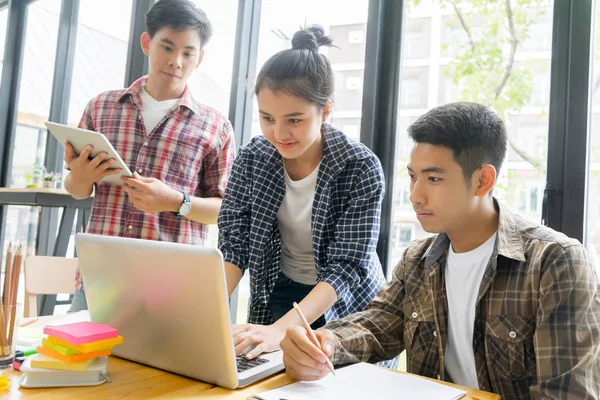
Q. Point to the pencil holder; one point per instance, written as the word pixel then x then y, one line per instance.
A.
pixel 10 318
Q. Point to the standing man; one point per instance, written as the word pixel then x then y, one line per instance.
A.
pixel 181 150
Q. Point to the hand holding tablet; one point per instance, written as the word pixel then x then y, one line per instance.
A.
pixel 77 143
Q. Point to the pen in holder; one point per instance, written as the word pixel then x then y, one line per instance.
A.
pixel 10 310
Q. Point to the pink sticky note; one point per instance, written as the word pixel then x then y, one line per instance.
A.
pixel 82 332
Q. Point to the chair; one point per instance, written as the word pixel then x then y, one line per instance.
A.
pixel 47 275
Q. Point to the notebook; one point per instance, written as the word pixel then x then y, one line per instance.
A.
pixel 364 381
pixel 32 377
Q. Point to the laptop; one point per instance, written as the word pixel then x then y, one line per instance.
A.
pixel 169 302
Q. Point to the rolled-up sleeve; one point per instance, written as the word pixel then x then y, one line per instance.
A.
pixel 234 216
pixel 217 164
pixel 357 231
pixel 374 334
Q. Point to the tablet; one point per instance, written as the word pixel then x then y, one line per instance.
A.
pixel 79 138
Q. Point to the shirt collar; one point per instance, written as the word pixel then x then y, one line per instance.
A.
pixel 508 242
pixel 134 93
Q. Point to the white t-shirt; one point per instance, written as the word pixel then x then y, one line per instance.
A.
pixel 464 272
pixel 294 220
pixel 154 111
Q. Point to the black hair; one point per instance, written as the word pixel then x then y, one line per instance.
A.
pixel 179 15
pixel 300 71
pixel 475 134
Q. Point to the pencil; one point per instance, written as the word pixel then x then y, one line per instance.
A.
pixel 29 322
pixel 4 300
pixel 311 334
pixel 13 293
pixel 7 275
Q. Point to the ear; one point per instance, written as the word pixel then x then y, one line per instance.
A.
pixel 200 59
pixel 483 180
pixel 145 42
pixel 326 111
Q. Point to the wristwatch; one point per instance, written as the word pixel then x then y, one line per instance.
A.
pixel 185 207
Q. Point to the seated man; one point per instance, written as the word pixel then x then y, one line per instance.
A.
pixel 493 301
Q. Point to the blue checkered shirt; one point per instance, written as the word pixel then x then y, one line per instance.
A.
pixel 345 222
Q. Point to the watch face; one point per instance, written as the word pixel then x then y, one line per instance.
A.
pixel 185 208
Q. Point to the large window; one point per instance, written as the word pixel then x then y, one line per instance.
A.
pixel 3 24
pixel 33 110
pixel 100 52
pixel 447 60
pixel 211 82
pixel 593 192
pixel 348 30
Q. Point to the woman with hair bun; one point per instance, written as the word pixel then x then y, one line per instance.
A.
pixel 302 207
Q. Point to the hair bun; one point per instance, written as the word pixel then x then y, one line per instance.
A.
pixel 311 38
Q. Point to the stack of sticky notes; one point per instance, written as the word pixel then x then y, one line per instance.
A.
pixel 78 347
pixel 74 346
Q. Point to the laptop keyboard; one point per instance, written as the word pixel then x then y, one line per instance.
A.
pixel 244 365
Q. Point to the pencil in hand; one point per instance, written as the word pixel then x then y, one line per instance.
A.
pixel 311 335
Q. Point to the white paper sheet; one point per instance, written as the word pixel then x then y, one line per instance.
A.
pixel 364 381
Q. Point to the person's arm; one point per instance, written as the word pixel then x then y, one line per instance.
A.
pixel 84 173
pixel 234 223
pixel 233 275
pixel 151 195
pixel 567 335
pixel 77 190
pixel 266 338
pixel 372 335
pixel 204 209
pixel 316 302
pixel 350 253
pixel 216 172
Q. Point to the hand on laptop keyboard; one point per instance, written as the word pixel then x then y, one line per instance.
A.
pixel 264 338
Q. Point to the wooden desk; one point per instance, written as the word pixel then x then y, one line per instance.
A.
pixel 58 198
pixel 131 380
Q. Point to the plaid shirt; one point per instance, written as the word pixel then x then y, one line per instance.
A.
pixel 537 326
pixel 345 222
pixel 191 149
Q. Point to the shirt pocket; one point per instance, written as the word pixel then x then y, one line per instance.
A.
pixel 509 346
pixel 420 336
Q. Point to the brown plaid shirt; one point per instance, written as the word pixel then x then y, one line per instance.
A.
pixel 537 327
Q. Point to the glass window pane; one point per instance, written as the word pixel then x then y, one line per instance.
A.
pixel 348 31
pixel 100 51
pixel 593 190
pixel 211 81
pixel 439 67
pixel 33 110
pixel 3 24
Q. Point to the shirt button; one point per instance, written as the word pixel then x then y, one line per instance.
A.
pixel 130 227
pixel 434 333
pixel 512 334
pixel 145 143
pixel 140 170
pixel 415 315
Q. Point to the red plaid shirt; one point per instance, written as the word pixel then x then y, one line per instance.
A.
pixel 191 149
